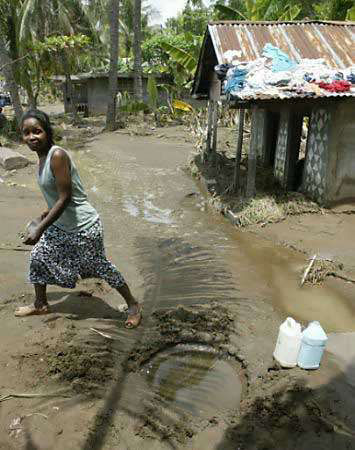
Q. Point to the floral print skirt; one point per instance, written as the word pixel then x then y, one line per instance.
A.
pixel 61 258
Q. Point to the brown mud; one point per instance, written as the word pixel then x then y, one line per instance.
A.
pixel 198 373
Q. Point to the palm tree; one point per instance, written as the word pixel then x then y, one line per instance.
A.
pixel 113 16
pixel 6 66
pixel 39 19
pixel 9 55
pixel 137 50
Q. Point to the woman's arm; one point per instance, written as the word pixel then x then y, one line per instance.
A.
pixel 60 165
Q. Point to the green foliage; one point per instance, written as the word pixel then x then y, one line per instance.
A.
pixel 334 9
pixel 153 48
pixel 351 14
pixel 152 89
pixel 54 44
pixel 193 19
pixel 186 60
pixel 260 10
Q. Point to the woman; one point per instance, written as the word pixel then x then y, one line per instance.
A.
pixel 68 242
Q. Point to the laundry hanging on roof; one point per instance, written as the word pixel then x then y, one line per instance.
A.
pixel 237 81
pixel 221 70
pixel 280 60
pixel 257 78
pixel 335 86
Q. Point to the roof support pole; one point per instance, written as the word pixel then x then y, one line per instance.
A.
pixel 238 157
pixel 215 126
pixel 252 156
pixel 209 129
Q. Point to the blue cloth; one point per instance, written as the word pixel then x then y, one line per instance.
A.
pixel 351 78
pixel 237 81
pixel 280 60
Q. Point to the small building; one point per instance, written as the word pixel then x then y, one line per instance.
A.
pixel 91 90
pixel 329 168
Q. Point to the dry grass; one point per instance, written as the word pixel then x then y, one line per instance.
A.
pixel 271 203
pixel 272 208
pixel 320 270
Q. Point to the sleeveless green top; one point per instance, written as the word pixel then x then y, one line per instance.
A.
pixel 79 214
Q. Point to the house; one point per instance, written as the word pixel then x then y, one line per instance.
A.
pixel 91 90
pixel 329 167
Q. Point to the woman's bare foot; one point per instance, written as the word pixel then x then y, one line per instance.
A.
pixel 31 310
pixel 134 316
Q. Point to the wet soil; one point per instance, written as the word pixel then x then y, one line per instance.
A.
pixel 198 373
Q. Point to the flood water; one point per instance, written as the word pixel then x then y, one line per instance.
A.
pixel 185 254
pixel 185 378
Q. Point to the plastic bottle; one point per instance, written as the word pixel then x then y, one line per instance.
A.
pixel 288 343
pixel 312 347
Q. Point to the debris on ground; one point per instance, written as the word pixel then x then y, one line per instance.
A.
pixel 271 204
pixel 11 160
pixel 319 270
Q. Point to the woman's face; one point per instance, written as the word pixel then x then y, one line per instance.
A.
pixel 34 135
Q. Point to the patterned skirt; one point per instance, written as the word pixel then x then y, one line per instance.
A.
pixel 60 258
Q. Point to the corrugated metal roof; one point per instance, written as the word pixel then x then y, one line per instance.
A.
pixel 332 41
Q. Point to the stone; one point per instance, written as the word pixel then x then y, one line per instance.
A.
pixel 11 160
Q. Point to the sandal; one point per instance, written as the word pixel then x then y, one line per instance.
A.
pixel 134 319
pixel 24 311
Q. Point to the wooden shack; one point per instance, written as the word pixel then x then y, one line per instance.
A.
pixel 329 168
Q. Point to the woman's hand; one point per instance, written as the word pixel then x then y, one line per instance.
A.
pixel 32 237
pixel 44 214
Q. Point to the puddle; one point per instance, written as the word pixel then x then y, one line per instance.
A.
pixel 259 269
pixel 156 215
pixel 194 381
pixel 130 207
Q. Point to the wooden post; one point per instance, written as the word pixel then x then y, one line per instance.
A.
pixel 214 126
pixel 251 164
pixel 209 129
pixel 238 156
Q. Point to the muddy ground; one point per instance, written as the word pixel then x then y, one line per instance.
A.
pixel 198 373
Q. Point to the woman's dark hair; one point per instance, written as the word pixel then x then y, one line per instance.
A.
pixel 43 119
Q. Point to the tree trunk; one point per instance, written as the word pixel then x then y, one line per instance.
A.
pixel 69 89
pixel 137 49
pixel 7 69
pixel 113 15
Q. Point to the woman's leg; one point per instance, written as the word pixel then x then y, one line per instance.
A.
pixel 96 265
pixel 40 305
pixel 41 295
pixel 134 308
pixel 109 273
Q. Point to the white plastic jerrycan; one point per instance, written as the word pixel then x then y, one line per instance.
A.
pixel 288 343
pixel 312 347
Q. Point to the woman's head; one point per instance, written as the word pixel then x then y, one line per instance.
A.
pixel 37 130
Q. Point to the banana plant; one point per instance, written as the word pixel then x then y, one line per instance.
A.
pixel 185 60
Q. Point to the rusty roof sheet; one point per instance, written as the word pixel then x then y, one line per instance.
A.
pixel 332 41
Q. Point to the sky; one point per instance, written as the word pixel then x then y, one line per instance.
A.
pixel 167 8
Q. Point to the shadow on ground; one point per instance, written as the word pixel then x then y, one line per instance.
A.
pixel 295 417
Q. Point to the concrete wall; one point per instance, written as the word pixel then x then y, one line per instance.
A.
pixel 287 148
pixel 98 91
pixel 341 171
pixel 329 174
pixel 315 180
pixel 95 92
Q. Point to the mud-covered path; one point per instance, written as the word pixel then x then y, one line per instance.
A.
pixel 172 252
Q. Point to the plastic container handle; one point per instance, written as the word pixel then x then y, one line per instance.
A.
pixel 290 322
